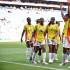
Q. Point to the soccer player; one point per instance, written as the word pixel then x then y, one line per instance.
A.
pixel 52 32
pixel 65 37
pixel 40 40
pixel 28 30
pixel 36 47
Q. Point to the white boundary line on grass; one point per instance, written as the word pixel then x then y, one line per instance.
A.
pixel 30 65
pixel 69 67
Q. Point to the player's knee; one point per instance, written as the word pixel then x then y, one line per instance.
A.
pixel 39 52
pixel 35 49
pixel 44 49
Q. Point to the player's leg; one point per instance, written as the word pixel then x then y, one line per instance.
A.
pixel 50 51
pixel 28 50
pixel 54 47
pixel 56 50
pixel 69 52
pixel 36 47
pixel 43 46
pixel 65 56
pixel 32 49
pixel 44 54
pixel 65 51
pixel 39 54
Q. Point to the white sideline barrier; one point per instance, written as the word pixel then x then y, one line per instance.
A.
pixel 11 28
pixel 30 4
pixel 9 41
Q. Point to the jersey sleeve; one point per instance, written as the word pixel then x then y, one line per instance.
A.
pixel 25 28
pixel 69 22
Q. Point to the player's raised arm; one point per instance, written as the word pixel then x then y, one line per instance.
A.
pixel 69 10
pixel 62 14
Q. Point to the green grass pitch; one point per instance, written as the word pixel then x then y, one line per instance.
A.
pixel 13 57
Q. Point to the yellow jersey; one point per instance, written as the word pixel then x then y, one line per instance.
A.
pixel 68 32
pixel 52 29
pixel 40 29
pixel 28 31
pixel 58 36
pixel 66 25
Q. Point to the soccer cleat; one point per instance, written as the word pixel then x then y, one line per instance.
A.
pixel 34 62
pixel 50 61
pixel 45 63
pixel 39 61
pixel 62 64
pixel 56 59
pixel 66 61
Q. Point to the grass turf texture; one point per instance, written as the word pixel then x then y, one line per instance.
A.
pixel 14 55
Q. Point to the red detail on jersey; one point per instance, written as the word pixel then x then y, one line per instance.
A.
pixel 68 35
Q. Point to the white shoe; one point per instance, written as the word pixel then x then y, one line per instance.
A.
pixel 62 64
pixel 34 62
pixel 66 61
pixel 56 59
pixel 45 63
pixel 39 61
pixel 50 61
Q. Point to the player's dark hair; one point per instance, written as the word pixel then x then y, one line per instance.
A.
pixel 41 21
pixel 29 20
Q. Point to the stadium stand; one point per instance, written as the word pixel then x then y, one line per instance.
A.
pixel 13 18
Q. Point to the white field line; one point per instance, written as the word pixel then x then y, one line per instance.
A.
pixel 69 67
pixel 30 65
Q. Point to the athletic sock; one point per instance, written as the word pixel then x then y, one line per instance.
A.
pixel 28 53
pixel 56 58
pixel 51 57
pixel 64 57
pixel 39 58
pixel 31 53
pixel 33 56
pixel 44 56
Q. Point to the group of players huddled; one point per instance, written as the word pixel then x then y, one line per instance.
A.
pixel 37 36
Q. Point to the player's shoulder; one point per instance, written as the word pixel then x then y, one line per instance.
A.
pixel 25 25
pixel 32 25
pixel 37 25
pixel 56 24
